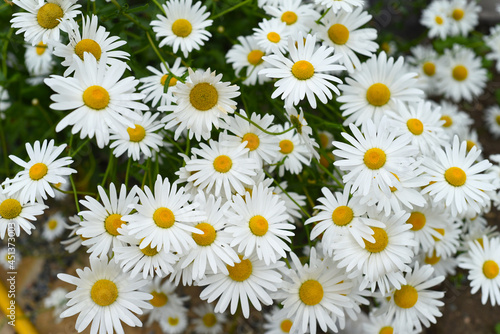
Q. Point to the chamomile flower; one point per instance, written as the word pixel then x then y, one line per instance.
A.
pixel 464 16
pixel 101 222
pixel 427 222
pixel 342 31
pixel 455 122
pixel 207 320
pixel 447 243
pixel 340 5
pixel 175 323
pixel 293 152
pixel 272 34
pixel 299 17
pixel 435 18
pixel 443 266
pixel 492 120
pixel 222 168
pixel 161 219
pixel 385 324
pixel 306 74
pixel 457 180
pixel 276 322
pixel 424 61
pixel 250 279
pixel 56 299
pixel 15 214
pixel 154 88
pixel 414 303
pixel 93 39
pixel 483 263
pixel 258 225
pixel 39 62
pixel 460 75
pixel 248 55
pixel 98 96
pixel 54 227
pixel 105 296
pixel 183 26
pixel 493 42
pixel 74 240
pixel 43 168
pixel 60 189
pixel 43 20
pixel 140 140
pixel 200 104
pixel 375 87
pixel 165 300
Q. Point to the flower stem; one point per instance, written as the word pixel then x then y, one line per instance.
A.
pixel 229 9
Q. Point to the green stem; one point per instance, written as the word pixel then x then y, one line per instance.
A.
pixel 145 174
pixel 108 168
pixel 159 6
pixel 128 16
pixel 324 169
pixel 262 129
pixel 322 16
pixel 80 147
pixel 229 10
pixel 155 49
pixel 75 193
pixel 127 172
pixel 71 192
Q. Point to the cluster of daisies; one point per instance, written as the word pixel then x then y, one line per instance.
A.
pixel 404 206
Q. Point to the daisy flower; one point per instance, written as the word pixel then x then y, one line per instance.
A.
pixel 165 300
pixel 373 159
pixel 56 299
pixel 464 16
pixel 43 168
pixel 101 222
pixel 483 261
pixel 460 75
pixel 98 98
pixel 162 218
pixel 455 122
pixel 15 214
pixel 74 241
pixel 492 120
pixel 208 321
pixel 298 17
pixel 154 88
pixel 201 102
pixel 426 223
pixel 340 5
pixel 342 31
pixel 384 324
pixel 276 322
pixel 305 132
pixel 375 87
pixel 308 67
pixel 262 147
pixel 105 296
pixel 250 279
pixel 140 140
pixel 293 201
pixel 175 323
pixel 222 168
pixel 493 42
pixel 54 227
pixel 435 18
pixel 414 303
pixel 258 224
pixel 183 26
pixel 272 34
pixel 39 62
pixel 93 39
pixel 447 243
pixel 443 266
pixel 248 54
pixel 457 180
pixel 60 188
pixel 43 20
pixel 424 61
pixel 4 101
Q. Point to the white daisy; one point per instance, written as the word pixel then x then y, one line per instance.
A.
pixel 293 154
pixel 305 132
pixel 54 227
pixel 340 5
pixel 455 122
pixel 101 222
pixel 161 218
pixel 98 98
pixel 342 32
pixel 271 34
pixel 276 322
pixel 435 18
pixel 424 61
pixel 201 102
pixel 443 266
pixel 464 16
pixel 42 22
pixel 208 321
pixel 298 17
pixel 56 299
pixel 43 168
pixel 93 39
pixel 175 323
pixel 492 120
pixel 105 296
pixel 306 74
pixel 375 87
pixel 293 201
pixel 493 42
pixel 250 279
pixel 183 26
pixel 384 324
pixel 74 241
pixel 447 243
pixel 248 54
pixel 39 62
pixel 154 87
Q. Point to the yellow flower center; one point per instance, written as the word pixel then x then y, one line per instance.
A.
pixel 136 134
pixel 433 259
pixel 455 176
pixel 458 14
pixel 240 271
pixel 286 325
pixel 255 57
pixel 338 33
pixel 159 299
pixel 323 140
pixel 38 171
pixel 311 292
pixel 40 48
pixel 273 37
pixel 417 220
pixel 381 241
pixel 440 231
pixel 303 70
pixel 447 121
pixel 342 215
pixel 490 269
pixel 88 45
pixel 470 145
pixel 223 164
pixel 48 15
pixel 460 73
pixel 209 320
pixel 208 236
pixel 378 94
pixel 173 321
pixel 374 158
pixel 52 224
pixel 429 69
pixel 203 96
pixel 286 146
pixel 112 223
pixel 172 82
pixel 258 225
pixel 480 240
pixel 149 251
pixel 439 20
pixel 386 330
pixel 406 297
pixel 182 28
pixel 164 217
pixel 96 97
pixel 289 17
pixel 104 292
pixel 253 141
pixel 10 208
pixel 415 126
